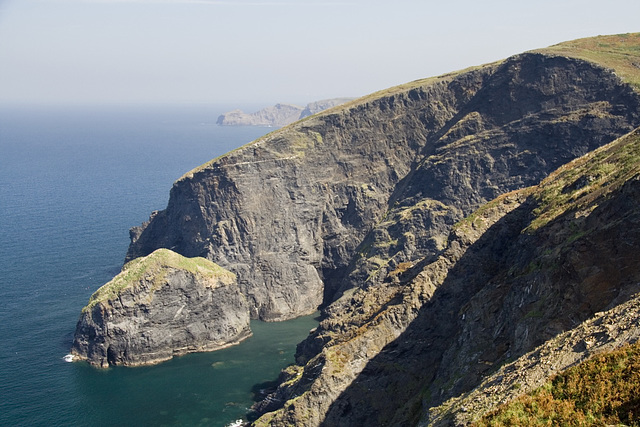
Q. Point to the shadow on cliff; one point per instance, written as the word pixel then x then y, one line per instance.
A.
pixel 402 372
pixel 500 300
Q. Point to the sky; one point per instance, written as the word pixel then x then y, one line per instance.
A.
pixel 268 51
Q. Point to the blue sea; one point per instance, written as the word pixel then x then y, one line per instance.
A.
pixel 72 182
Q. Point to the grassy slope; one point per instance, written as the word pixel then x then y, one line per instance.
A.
pixel 151 268
pixel 577 185
pixel 604 390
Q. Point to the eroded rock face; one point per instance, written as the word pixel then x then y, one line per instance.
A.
pixel 517 273
pixel 158 307
pixel 301 215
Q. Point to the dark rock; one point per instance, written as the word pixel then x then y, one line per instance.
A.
pixel 158 307
pixel 362 209
pixel 291 213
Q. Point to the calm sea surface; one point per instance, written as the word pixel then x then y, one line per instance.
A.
pixel 72 182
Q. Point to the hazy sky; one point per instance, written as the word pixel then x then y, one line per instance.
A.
pixel 268 51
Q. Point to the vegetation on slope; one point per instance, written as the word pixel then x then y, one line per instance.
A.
pixel 576 186
pixel 605 390
pixel 151 267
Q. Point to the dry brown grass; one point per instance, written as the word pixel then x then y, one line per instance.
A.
pixel 605 390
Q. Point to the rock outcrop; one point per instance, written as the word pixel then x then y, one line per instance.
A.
pixel 341 199
pixel 515 274
pixel 278 115
pixel 158 307
pixel 362 209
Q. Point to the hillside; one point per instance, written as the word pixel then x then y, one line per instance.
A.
pixel 361 209
pixel 601 391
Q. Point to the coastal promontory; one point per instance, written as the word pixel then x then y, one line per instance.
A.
pixel 277 115
pixel 160 306
pixel 411 217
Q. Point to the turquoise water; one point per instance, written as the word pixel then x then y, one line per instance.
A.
pixel 72 182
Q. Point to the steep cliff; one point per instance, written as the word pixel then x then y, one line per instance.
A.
pixel 360 209
pixel 572 267
pixel 160 306
pixel 342 198
pixel 515 274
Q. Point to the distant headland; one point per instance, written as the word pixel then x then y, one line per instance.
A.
pixel 277 115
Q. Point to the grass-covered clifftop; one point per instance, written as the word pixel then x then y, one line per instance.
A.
pixel 160 306
pixel 151 267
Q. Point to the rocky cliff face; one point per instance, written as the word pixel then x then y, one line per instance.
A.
pixel 360 209
pixel 158 307
pixel 341 199
pixel 514 275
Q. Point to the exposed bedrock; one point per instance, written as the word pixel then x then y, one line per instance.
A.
pixel 344 198
pixel 158 307
pixel 514 274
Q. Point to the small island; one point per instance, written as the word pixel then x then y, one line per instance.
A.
pixel 160 306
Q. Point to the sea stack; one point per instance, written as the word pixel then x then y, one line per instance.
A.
pixel 160 306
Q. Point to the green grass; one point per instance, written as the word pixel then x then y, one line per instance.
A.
pixel 578 185
pixel 605 390
pixel 153 268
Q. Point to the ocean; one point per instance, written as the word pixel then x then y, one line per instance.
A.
pixel 72 182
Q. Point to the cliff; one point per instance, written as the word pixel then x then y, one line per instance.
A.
pixel 278 115
pixel 514 276
pixel 564 288
pixel 340 199
pixel 361 209
pixel 158 307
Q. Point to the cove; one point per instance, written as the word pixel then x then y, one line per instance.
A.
pixel 212 389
